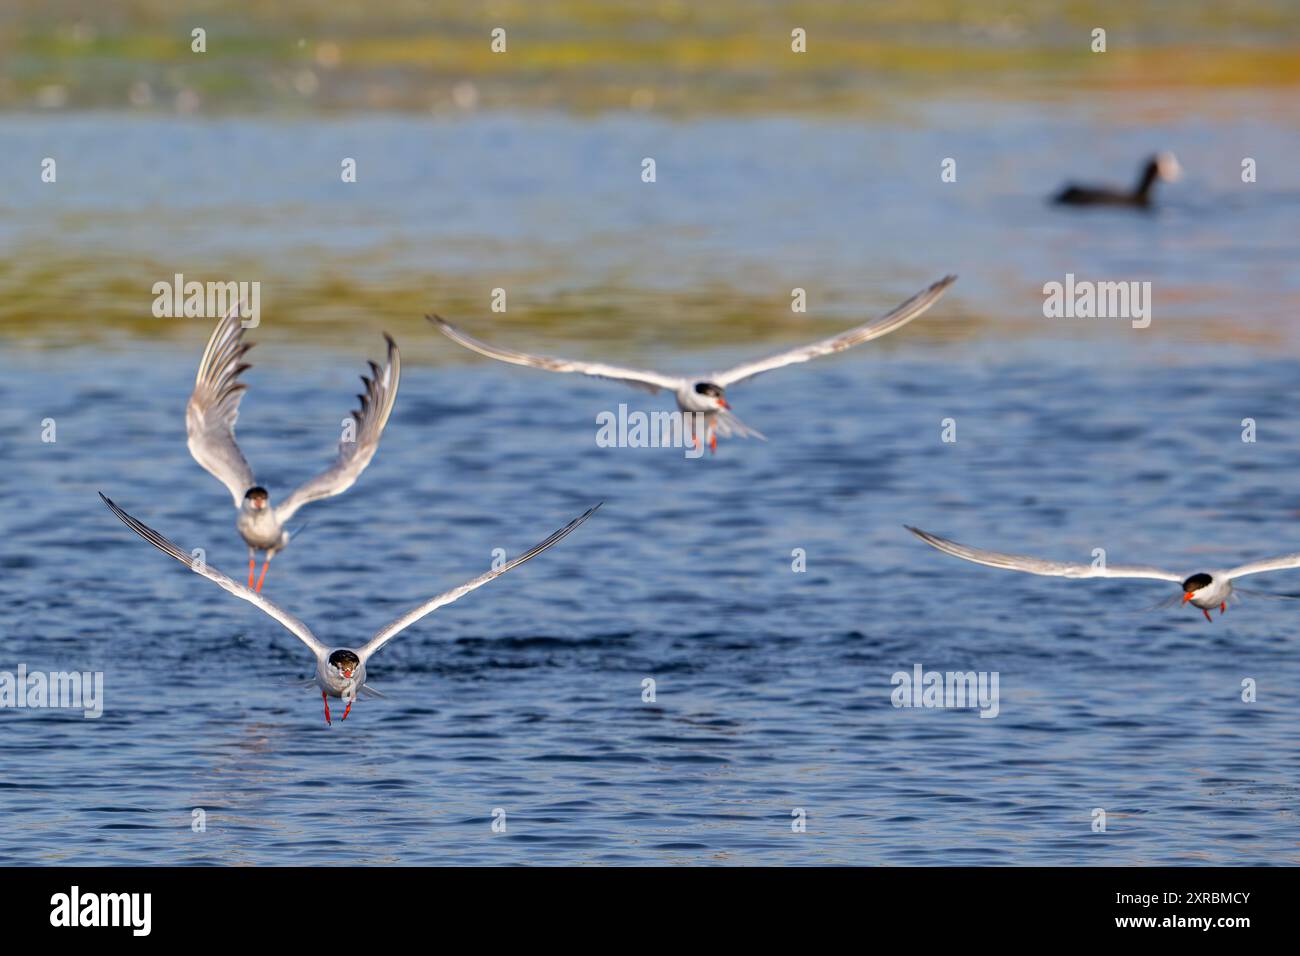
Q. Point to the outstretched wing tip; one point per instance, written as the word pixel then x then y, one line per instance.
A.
pixel 170 548
pixel 375 405
pixel 393 628
pixel 213 407
pixel 891 321
pixel 941 286
pixel 113 505
pixel 929 538
pixel 572 525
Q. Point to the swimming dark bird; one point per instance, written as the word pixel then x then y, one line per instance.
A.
pixel 1160 166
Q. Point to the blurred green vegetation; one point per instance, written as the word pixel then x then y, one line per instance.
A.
pixel 315 58
pixel 672 56
pixel 51 301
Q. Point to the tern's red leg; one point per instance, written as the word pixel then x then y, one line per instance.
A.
pixel 327 708
pixel 1207 614
pixel 252 563
pixel 1223 606
pixel 713 441
pixel 347 708
pixel 262 576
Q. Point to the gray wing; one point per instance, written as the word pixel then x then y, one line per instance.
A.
pixel 1285 562
pixel 389 631
pixel 874 329
pixel 214 406
pixel 1058 569
pixel 370 419
pixel 638 378
pixel 297 627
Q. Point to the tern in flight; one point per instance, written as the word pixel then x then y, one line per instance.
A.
pixel 340 671
pixel 1203 589
pixel 707 395
pixel 210 422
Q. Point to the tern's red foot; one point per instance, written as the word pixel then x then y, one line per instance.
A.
pixel 346 709
pixel 1223 606
pixel 261 577
pixel 1207 614
pixel 713 442
pixel 325 698
pixel 251 565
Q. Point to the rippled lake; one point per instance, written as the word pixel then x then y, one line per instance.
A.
pixel 772 686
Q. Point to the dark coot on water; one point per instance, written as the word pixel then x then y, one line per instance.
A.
pixel 1160 166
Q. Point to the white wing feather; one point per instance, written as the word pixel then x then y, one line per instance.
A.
pixel 297 627
pixel 389 631
pixel 355 455
pixel 1283 563
pixel 874 329
pixel 1059 569
pixel 214 406
pixel 638 378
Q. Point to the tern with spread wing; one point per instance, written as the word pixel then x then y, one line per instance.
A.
pixel 340 671
pixel 210 422
pixel 708 395
pixel 1203 589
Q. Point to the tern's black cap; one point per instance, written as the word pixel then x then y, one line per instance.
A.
pixel 708 388
pixel 1197 581
pixel 346 659
pixel 257 491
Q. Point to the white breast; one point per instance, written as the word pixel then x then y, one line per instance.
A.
pixel 259 529
pixel 688 400
pixel 1219 590
pixel 328 680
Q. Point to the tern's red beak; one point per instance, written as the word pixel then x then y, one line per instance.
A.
pixel 724 403
pixel 1187 597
